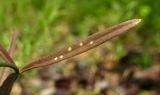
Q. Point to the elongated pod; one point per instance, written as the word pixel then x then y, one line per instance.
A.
pixel 82 46
pixel 5 55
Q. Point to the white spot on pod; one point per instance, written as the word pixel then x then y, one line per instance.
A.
pixel 69 49
pixel 55 58
pixel 61 56
pixel 81 44
pixel 91 42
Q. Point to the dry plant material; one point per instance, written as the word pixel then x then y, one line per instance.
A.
pixel 82 46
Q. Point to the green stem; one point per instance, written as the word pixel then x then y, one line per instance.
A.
pixel 12 66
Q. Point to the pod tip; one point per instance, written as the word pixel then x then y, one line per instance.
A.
pixel 137 21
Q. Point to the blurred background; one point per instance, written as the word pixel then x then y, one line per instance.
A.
pixel 126 65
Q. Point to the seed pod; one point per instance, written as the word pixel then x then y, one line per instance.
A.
pixel 82 46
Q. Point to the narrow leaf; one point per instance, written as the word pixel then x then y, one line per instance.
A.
pixel 5 71
pixel 83 46
pixel 13 42
pixel 5 55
